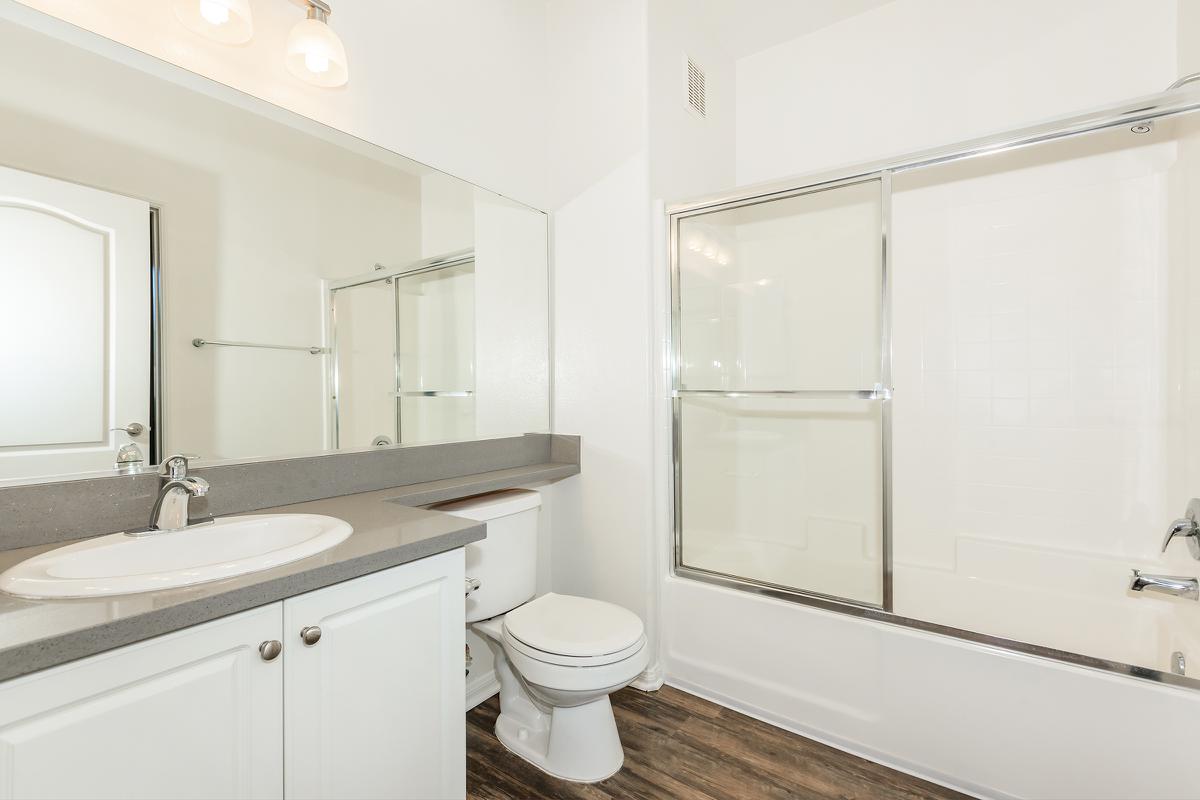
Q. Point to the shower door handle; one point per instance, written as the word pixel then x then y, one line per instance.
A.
pixel 1186 526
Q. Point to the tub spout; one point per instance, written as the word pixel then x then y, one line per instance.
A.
pixel 1177 585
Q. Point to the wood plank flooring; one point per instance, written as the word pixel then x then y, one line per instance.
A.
pixel 679 746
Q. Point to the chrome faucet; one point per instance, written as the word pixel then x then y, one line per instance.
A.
pixel 1177 585
pixel 171 508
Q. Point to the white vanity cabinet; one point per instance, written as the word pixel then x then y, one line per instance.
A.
pixel 192 714
pixel 373 708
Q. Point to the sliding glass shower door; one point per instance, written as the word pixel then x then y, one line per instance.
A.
pixel 780 401
pixel 403 367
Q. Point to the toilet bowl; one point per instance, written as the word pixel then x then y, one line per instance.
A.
pixel 557 657
pixel 554 707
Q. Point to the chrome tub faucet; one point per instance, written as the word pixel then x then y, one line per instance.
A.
pixel 1175 585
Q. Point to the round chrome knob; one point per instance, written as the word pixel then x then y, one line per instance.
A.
pixel 270 649
pixel 311 635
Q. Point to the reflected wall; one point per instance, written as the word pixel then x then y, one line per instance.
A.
pixel 257 213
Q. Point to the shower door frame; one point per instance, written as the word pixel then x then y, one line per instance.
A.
pixel 1170 103
pixel 457 258
pixel 881 393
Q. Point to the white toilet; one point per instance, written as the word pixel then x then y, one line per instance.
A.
pixel 558 657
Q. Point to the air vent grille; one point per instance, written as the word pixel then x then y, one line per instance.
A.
pixel 696 100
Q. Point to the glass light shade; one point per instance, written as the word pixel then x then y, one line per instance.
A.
pixel 224 21
pixel 316 55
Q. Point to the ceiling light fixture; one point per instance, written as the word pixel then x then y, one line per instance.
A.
pixel 315 54
pixel 225 21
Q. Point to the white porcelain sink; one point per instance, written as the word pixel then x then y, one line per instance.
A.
pixel 124 564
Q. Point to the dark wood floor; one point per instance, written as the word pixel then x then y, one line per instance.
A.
pixel 679 746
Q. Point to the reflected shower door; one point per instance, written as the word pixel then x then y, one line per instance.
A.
pixel 780 406
pixel 364 363
pixel 435 342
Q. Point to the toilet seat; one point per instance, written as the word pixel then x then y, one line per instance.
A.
pixel 578 677
pixel 573 661
pixel 573 631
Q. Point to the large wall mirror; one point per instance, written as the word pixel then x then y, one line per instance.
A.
pixel 200 272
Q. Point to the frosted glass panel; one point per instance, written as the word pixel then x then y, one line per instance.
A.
pixel 783 294
pixel 1047 409
pixel 365 319
pixel 436 361
pixel 784 491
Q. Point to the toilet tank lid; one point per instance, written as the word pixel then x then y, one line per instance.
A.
pixel 495 505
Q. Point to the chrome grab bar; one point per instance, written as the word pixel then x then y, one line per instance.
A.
pixel 198 342
pixel 1175 585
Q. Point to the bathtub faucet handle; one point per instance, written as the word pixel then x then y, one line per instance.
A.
pixel 1188 527
pixel 1180 527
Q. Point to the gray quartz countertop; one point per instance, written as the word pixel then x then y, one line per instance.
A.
pixel 36 634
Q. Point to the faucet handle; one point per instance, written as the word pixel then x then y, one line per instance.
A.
pixel 174 467
pixel 1184 526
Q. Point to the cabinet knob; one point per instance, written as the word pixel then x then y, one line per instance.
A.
pixel 311 635
pixel 270 649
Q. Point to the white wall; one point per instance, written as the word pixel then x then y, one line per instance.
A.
pixel 602 280
pixel 512 321
pixel 621 137
pixel 919 73
pixel 457 84
pixel 690 155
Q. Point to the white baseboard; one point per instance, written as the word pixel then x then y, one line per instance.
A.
pixel 651 679
pixel 840 744
pixel 481 687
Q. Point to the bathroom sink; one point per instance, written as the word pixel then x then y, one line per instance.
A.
pixel 123 564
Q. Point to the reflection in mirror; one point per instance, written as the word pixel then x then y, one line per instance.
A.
pixel 200 272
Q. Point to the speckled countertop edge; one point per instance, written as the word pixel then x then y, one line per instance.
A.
pixel 388 531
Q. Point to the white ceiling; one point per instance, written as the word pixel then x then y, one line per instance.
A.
pixel 753 25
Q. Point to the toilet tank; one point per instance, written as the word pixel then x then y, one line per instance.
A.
pixel 505 563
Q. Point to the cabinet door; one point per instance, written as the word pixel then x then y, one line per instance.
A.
pixel 373 709
pixel 192 714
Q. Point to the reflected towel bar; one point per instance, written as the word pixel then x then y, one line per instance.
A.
pixel 437 393
pixel 878 393
pixel 316 351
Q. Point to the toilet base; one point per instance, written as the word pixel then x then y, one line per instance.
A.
pixel 577 744
pixel 575 741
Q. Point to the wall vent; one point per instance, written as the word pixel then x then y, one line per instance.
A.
pixel 694 87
